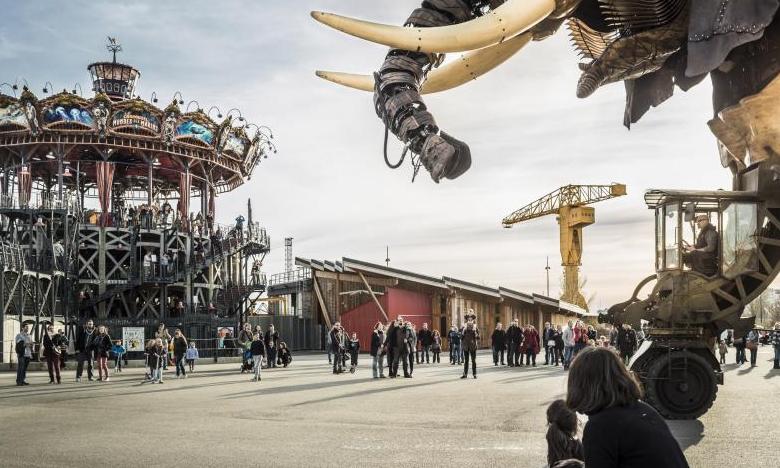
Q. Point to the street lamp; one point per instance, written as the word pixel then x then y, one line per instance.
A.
pixel 47 87
pixel 187 109
pixel 180 100
pixel 219 112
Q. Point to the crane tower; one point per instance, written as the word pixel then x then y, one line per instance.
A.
pixel 569 203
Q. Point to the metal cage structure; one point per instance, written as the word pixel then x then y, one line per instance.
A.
pixel 131 259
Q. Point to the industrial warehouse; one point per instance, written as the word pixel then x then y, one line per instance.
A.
pixel 359 294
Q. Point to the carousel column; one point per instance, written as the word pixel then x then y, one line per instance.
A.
pixel 185 205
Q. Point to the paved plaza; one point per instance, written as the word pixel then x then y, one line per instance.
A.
pixel 305 416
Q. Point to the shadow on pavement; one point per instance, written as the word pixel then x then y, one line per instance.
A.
pixel 687 433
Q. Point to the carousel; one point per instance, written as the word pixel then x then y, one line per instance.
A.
pixel 108 208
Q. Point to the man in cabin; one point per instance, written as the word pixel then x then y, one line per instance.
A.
pixel 703 255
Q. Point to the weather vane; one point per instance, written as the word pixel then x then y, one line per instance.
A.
pixel 113 46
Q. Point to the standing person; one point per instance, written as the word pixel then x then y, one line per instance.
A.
pixel 258 352
pixel 51 351
pixel 558 339
pixel 454 339
pixel 549 345
pixel 568 344
pixel 61 341
pixel 391 339
pixel 244 341
pixel 513 343
pixel 272 342
pixel 626 344
pixel 336 345
pixel 179 350
pixel 102 344
pixel 739 347
pixel 329 346
pixel 532 345
pixel 119 352
pixel 354 348
pixel 165 338
pixel 377 343
pixel 155 355
pixel 752 344
pixel 498 343
pixel 192 356
pixel 23 346
pixel 84 350
pixel 774 338
pixel 621 430
pixel 425 338
pixel 401 352
pixel 580 337
pixel 470 338
pixel 436 347
pixel 722 350
pixel 411 342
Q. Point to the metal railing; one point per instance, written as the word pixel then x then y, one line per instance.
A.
pixel 40 201
pixel 290 276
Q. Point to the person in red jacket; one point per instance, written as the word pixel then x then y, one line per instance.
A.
pixel 531 344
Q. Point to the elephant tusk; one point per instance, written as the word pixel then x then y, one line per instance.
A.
pixel 468 67
pixel 508 20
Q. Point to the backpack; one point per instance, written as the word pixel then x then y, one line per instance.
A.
pixel 20 347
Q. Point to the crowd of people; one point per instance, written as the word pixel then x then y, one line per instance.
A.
pixel 94 347
pixel 399 344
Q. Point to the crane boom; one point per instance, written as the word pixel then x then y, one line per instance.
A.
pixel 569 195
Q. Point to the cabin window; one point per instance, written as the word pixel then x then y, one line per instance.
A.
pixel 739 248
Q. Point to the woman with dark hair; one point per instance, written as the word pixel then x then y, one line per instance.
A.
pixel 622 430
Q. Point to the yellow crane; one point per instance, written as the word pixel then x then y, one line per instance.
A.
pixel 570 204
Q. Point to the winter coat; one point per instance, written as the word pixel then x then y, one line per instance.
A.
pixel 272 339
pixel 192 353
pixel 102 345
pixel 531 341
pixel 335 342
pixel 513 334
pixel 377 339
pixel 547 335
pixel 454 337
pixel 568 337
pixel 558 338
pixel 244 339
pixel 498 339
pixel 353 346
pixel 470 338
pixel 179 346
pixel 84 340
pixel 402 340
pixel 411 340
pixel 391 337
pixel 154 356
pixel 436 346
pixel 425 337
pixel 49 348
pixel 774 337
pixel 257 348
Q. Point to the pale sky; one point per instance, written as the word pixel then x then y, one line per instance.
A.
pixel 328 186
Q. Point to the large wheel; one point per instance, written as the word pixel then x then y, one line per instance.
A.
pixel 680 385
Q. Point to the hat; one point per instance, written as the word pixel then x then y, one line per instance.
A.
pixel 702 216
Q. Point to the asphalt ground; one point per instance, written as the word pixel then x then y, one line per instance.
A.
pixel 304 416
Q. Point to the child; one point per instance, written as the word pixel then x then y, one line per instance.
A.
pixel 436 347
pixel 157 357
pixel 723 350
pixel 148 352
pixel 354 348
pixel 257 349
pixel 284 354
pixel 119 352
pixel 192 355
pixel 561 431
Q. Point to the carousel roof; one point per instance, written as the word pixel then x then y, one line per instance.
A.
pixel 131 132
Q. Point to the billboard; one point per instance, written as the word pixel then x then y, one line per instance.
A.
pixel 133 338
